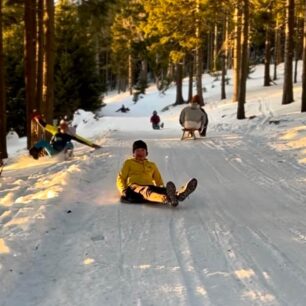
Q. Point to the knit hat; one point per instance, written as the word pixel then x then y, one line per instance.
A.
pixel 139 144
pixel 195 99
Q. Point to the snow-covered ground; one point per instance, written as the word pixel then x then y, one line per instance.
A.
pixel 240 239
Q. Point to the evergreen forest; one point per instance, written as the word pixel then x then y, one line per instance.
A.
pixel 60 56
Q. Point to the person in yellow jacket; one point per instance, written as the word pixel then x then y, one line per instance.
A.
pixel 139 180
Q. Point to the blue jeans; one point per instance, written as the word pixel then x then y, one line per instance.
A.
pixel 43 144
pixel 155 126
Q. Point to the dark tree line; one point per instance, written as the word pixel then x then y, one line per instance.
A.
pixel 76 51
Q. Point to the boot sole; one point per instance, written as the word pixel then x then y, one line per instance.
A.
pixel 171 194
pixel 191 187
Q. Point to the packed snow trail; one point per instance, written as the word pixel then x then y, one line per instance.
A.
pixel 238 240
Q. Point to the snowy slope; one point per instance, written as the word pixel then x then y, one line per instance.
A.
pixel 239 239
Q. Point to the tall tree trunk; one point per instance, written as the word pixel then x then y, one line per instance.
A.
pixel 288 86
pixel 229 51
pixel 37 132
pixel 143 77
pixel 267 78
pixel 303 104
pixel 296 61
pixel 40 55
pixel 199 67
pixel 179 84
pixel 244 62
pixel 224 59
pixel 210 50
pixel 130 73
pixel 298 47
pixel 97 54
pixel 237 52
pixel 199 56
pixel 215 48
pixel 3 148
pixel 30 63
pixel 276 49
pixel 49 62
pixel 190 77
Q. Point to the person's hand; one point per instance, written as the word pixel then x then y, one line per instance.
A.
pixel 37 117
pixel 123 193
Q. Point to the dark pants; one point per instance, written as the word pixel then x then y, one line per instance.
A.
pixel 203 132
pixel 139 194
pixel 155 126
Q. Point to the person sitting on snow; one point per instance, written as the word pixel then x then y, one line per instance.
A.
pixel 193 116
pixel 155 120
pixel 139 180
pixel 60 142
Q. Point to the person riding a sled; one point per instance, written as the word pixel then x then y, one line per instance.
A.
pixel 139 180
pixel 60 141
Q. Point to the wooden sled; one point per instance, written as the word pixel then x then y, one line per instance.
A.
pixel 188 133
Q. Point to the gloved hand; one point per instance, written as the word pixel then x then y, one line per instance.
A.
pixel 37 117
pixel 123 193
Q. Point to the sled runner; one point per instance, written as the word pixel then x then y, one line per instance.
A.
pixel 188 133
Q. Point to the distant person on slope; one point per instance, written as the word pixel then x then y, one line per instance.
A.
pixel 60 142
pixel 194 117
pixel 123 109
pixel 155 120
pixel 139 180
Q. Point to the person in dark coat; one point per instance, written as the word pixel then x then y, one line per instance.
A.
pixel 194 116
pixel 155 120
pixel 123 109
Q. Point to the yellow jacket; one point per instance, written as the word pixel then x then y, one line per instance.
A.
pixel 138 172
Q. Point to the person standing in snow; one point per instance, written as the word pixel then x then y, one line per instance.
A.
pixel 193 116
pixel 139 180
pixel 155 120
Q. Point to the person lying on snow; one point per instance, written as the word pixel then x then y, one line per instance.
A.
pixel 60 142
pixel 139 180
pixel 123 109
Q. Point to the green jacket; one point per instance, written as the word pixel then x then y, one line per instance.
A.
pixel 138 172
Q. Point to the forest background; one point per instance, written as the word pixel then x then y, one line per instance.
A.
pixel 57 57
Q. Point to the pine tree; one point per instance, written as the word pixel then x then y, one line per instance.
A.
pixel 3 149
pixel 76 80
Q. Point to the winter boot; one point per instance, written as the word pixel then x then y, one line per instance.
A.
pixel 186 190
pixel 34 152
pixel 171 194
pixel 68 154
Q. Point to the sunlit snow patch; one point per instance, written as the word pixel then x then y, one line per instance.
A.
pixel 4 249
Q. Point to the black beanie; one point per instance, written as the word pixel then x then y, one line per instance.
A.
pixel 139 144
